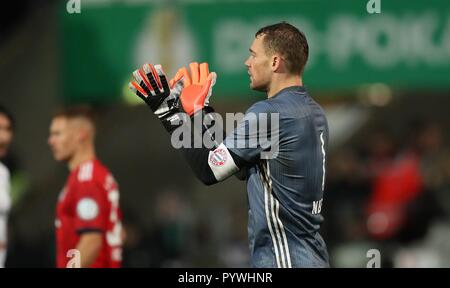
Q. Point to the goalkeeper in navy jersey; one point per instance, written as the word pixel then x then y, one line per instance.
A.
pixel 279 147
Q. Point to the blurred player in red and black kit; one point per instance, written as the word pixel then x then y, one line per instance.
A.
pixel 88 217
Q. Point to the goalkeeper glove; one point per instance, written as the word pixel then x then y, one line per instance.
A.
pixel 197 87
pixel 163 99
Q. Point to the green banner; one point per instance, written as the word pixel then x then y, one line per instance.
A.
pixel 407 45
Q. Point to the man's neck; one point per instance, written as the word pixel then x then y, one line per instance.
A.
pixel 81 157
pixel 277 86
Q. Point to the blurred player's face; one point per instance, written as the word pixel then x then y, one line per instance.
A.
pixel 63 139
pixel 5 135
pixel 258 66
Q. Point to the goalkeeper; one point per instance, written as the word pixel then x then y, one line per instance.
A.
pixel 286 176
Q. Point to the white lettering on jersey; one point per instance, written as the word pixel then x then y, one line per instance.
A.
pixel 323 160
pixel 317 207
pixel 86 172
pixel 114 236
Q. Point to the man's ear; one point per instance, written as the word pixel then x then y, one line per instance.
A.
pixel 82 133
pixel 276 63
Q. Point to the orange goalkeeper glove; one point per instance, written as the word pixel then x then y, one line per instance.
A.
pixel 197 86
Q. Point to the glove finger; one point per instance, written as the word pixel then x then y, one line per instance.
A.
pixel 156 75
pixel 140 78
pixel 137 89
pixel 213 76
pixel 183 73
pixel 194 73
pixel 204 72
pixel 178 76
pixel 163 79
pixel 178 87
pixel 153 77
pixel 207 88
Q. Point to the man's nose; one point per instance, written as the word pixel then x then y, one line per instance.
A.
pixel 246 63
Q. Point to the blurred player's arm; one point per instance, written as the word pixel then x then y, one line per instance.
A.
pixel 90 220
pixel 89 245
pixel 5 205
pixel 3 233
pixel 3 245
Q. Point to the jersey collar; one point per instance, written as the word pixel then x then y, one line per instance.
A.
pixel 300 89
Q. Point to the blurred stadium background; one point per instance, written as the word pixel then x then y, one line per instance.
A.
pixel 383 79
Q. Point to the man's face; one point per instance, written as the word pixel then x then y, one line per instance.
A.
pixel 62 139
pixel 258 66
pixel 6 135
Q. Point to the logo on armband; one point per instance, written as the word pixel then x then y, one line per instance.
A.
pixel 218 157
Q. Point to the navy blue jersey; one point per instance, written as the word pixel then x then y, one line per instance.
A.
pixel 285 178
